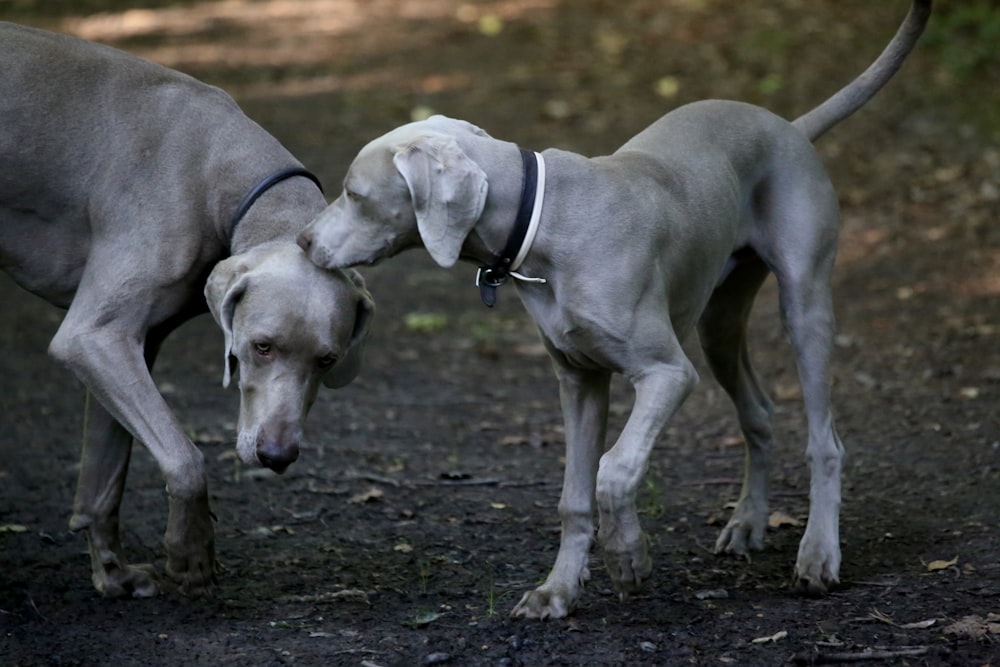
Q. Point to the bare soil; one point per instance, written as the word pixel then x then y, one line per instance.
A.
pixel 424 503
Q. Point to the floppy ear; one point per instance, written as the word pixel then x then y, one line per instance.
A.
pixel 224 289
pixel 448 191
pixel 348 368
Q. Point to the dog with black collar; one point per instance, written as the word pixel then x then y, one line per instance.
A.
pixel 124 185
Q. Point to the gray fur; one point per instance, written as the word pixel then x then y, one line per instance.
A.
pixel 674 231
pixel 118 182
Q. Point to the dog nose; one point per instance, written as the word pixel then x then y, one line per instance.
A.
pixel 305 240
pixel 277 458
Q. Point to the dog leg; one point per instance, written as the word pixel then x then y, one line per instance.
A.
pixel 808 312
pixel 103 467
pixel 584 399
pixel 722 331
pixel 107 357
pixel 659 391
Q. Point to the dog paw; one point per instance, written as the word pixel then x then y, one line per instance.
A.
pixel 815 584
pixel 626 552
pixel 542 604
pixel 194 577
pixel 628 567
pixel 130 581
pixel 746 527
pixel 190 546
pixel 740 537
pixel 817 568
pixel 628 570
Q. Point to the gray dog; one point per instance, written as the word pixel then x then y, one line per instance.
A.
pixel 122 184
pixel 617 258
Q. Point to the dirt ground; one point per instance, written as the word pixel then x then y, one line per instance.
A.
pixel 424 504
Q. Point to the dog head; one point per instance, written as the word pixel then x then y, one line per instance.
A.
pixel 288 325
pixel 413 185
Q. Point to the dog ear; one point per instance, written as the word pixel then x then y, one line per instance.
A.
pixel 448 191
pixel 225 287
pixel 348 368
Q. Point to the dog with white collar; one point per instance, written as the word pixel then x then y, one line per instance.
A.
pixel 630 252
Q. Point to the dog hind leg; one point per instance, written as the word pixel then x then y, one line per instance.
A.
pixel 103 467
pixel 809 317
pixel 803 270
pixel 722 332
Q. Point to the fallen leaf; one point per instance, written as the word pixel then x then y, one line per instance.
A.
pixel 777 636
pixel 372 494
pixel 919 625
pixel 13 528
pixel 345 595
pixel 713 594
pixel 732 441
pixel 787 392
pixel 270 531
pixel 974 626
pixel 424 619
pixel 779 519
pixel 937 565
pixel 498 506
pixel 403 548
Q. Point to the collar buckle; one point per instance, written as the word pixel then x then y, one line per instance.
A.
pixel 488 279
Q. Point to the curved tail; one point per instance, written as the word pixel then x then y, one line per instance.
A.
pixel 853 96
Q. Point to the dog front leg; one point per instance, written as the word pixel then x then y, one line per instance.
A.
pixel 659 391
pixel 584 399
pixel 104 463
pixel 109 361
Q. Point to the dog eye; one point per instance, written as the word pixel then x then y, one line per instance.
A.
pixel 262 349
pixel 351 194
pixel 327 361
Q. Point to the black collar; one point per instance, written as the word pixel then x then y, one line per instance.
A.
pixel 493 275
pixel 266 185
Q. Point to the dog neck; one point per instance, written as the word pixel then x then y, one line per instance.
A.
pixel 506 230
pixel 268 213
pixel 529 211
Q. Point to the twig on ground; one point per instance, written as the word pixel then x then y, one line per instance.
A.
pixel 487 481
pixel 872 653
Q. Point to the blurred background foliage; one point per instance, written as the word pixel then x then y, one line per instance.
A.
pixel 768 53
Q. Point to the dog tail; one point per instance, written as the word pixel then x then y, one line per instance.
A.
pixel 853 96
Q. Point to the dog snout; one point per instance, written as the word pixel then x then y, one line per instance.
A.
pixel 277 457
